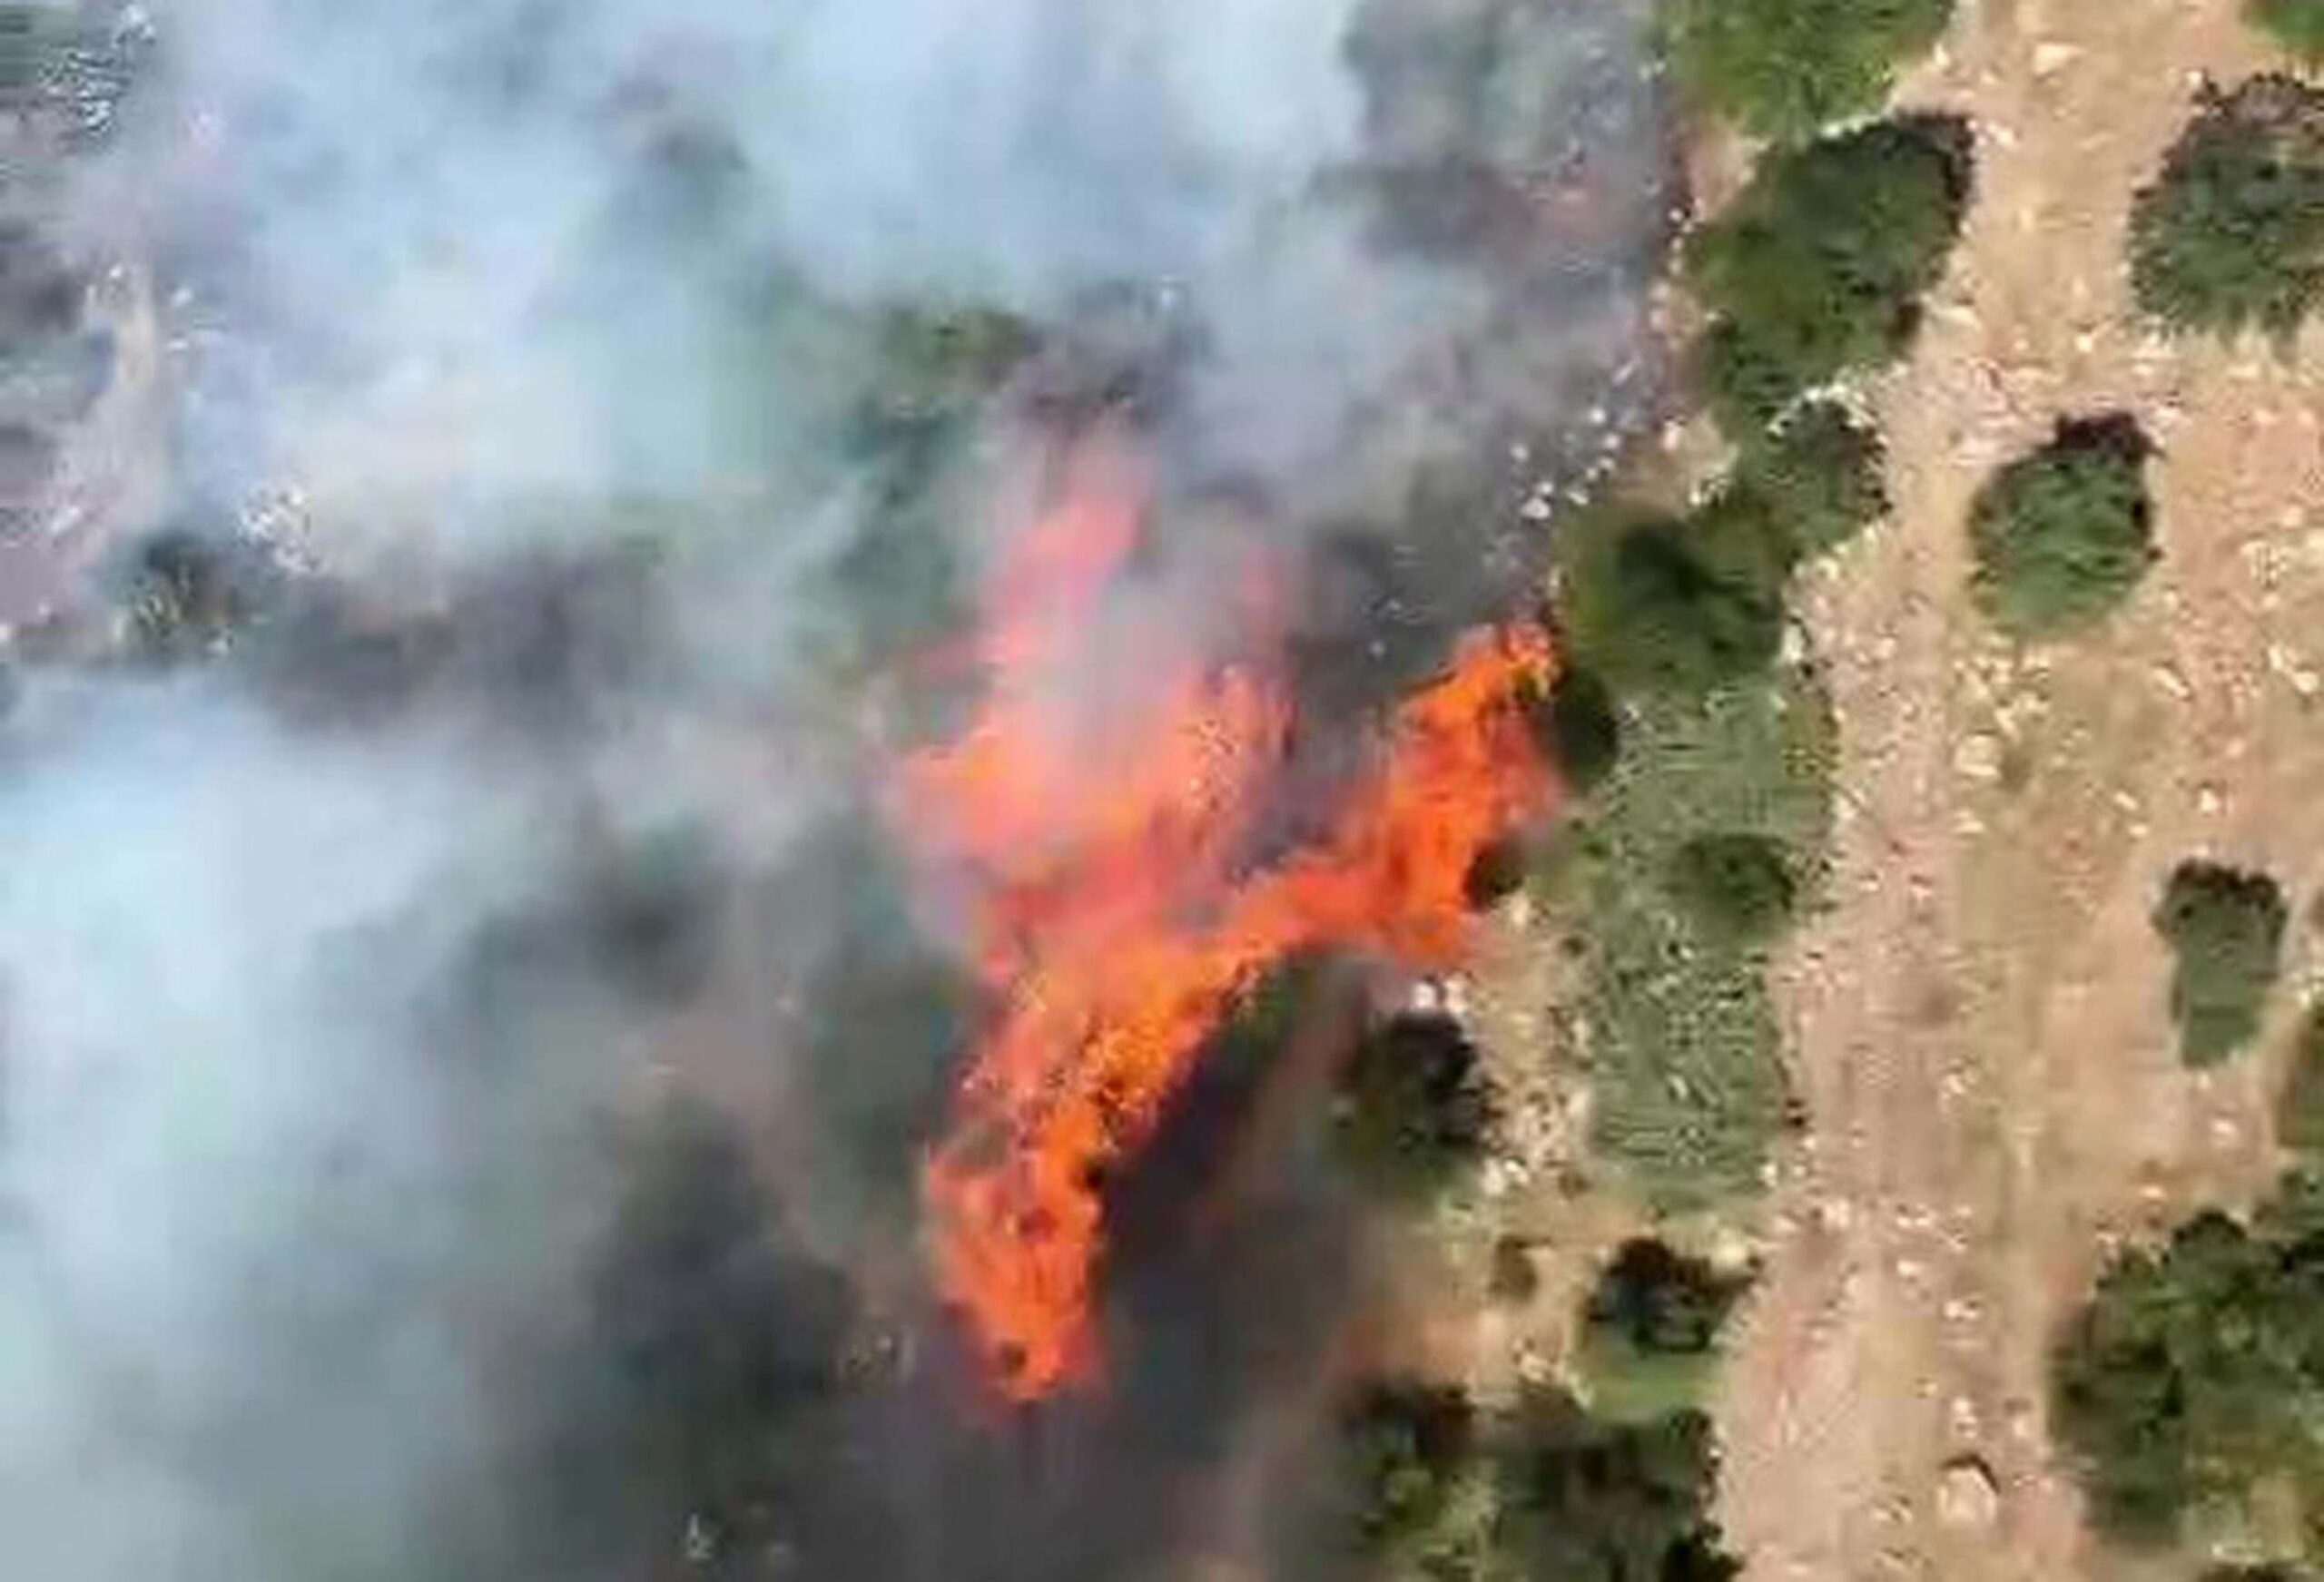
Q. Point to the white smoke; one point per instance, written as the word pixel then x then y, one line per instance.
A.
pixel 478 276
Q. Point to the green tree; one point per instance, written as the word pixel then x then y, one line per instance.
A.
pixel 1666 605
pixel 1585 1500
pixel 1543 1492
pixel 2225 927
pixel 2194 1374
pixel 1787 68
pixel 2059 537
pixel 2296 25
pixel 2230 237
pixel 1817 269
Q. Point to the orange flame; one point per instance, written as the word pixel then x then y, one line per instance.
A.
pixel 1102 864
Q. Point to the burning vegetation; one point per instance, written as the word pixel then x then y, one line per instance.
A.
pixel 1119 898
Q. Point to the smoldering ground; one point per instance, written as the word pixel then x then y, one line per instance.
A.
pixel 467 1037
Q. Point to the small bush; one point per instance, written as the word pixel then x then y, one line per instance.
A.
pixel 1787 68
pixel 1413 1107
pixel 2231 238
pixel 1736 889
pixel 2226 928
pixel 2060 537
pixel 2296 25
pixel 1404 1449
pixel 2300 1113
pixel 1818 268
pixel 1818 476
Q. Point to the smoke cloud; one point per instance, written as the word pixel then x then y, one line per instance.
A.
pixel 475 489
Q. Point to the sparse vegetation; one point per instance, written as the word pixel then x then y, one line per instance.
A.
pixel 2195 1374
pixel 1413 1107
pixel 1682 1042
pixel 2230 237
pixel 2296 25
pixel 1818 268
pixel 1787 68
pixel 2225 927
pixel 2061 536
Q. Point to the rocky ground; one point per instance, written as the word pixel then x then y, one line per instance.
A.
pixel 1978 1018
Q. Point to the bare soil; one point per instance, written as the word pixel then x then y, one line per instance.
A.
pixel 1978 1020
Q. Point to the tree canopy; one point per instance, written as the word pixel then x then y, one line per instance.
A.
pixel 2060 536
pixel 1787 68
pixel 2230 237
pixel 2225 927
pixel 1817 269
pixel 2195 1373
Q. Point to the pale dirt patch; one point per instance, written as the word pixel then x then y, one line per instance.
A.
pixel 1978 1021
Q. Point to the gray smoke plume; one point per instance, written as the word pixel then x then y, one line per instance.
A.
pixel 464 1040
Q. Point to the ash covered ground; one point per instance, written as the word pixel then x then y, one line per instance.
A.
pixel 481 484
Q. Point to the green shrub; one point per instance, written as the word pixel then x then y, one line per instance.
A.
pixel 1586 1501
pixel 1432 1489
pixel 1818 476
pixel 1736 889
pixel 1818 268
pixel 2230 237
pixel 2226 928
pixel 1414 1110
pixel 2296 25
pixel 2196 1371
pixel 2061 536
pixel 1659 605
pixel 2300 1113
pixel 1787 68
